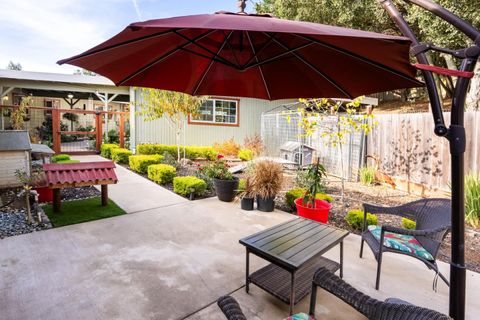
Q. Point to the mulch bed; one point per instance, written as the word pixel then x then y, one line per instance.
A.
pixel 356 194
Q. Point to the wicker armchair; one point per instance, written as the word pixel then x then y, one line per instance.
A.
pixel 433 221
pixel 390 309
pixel 230 308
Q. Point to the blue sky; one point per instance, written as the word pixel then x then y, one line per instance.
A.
pixel 36 34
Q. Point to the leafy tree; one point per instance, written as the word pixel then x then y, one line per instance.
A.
pixel 370 16
pixel 14 66
pixel 175 106
pixel 84 72
pixel 20 113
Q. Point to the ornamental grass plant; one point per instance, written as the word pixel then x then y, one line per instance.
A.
pixel 267 179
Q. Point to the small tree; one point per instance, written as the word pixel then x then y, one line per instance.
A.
pixel 14 66
pixel 28 181
pixel 314 112
pixel 176 106
pixel 19 114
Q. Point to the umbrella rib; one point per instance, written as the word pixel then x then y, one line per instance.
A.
pixel 199 83
pixel 316 70
pixel 277 57
pixel 259 66
pixel 230 47
pixel 206 49
pixel 355 56
pixel 163 57
pixel 270 39
pixel 114 46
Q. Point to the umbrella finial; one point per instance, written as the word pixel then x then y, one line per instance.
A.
pixel 241 5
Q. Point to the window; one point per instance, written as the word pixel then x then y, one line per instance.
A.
pixel 217 111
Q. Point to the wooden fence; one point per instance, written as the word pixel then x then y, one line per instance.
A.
pixel 409 150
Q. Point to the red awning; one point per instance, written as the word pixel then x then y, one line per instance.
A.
pixel 80 174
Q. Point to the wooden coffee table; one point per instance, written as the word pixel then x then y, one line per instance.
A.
pixel 294 249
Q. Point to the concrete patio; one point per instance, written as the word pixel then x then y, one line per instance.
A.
pixel 172 258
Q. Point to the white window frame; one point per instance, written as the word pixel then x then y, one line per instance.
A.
pixel 214 100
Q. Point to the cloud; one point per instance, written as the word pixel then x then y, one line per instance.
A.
pixel 137 9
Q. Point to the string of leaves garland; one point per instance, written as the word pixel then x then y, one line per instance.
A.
pixel 348 120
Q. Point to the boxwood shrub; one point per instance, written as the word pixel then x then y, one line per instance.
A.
pixel 355 219
pixel 296 193
pixel 120 155
pixel 161 173
pixel 191 152
pixel 186 185
pixel 68 161
pixel 409 224
pixel 60 157
pixel 140 163
pixel 106 150
pixel 245 154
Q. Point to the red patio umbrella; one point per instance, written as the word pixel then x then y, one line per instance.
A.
pixel 255 56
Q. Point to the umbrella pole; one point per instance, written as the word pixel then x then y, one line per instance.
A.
pixel 455 135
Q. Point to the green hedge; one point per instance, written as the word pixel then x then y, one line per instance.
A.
pixel 106 150
pixel 186 185
pixel 355 219
pixel 296 193
pixel 68 161
pixel 120 155
pixel 245 154
pixel 191 152
pixel 140 163
pixel 161 173
pixel 60 157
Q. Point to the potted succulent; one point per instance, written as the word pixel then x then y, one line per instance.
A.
pixel 309 206
pixel 246 194
pixel 224 182
pixel 267 179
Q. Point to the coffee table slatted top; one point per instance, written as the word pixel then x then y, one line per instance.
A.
pixel 294 242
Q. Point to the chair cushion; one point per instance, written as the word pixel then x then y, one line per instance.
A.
pixel 401 242
pixel 300 316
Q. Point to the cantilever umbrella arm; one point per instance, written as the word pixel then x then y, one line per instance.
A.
pixel 455 133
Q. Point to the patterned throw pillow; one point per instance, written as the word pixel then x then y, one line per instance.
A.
pixel 401 242
pixel 300 316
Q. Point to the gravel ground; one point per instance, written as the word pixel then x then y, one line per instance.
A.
pixel 14 222
pixel 80 193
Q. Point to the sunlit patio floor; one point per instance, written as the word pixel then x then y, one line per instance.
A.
pixel 171 259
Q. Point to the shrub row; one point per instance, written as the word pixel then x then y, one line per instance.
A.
pixel 161 173
pixel 191 152
pixel 120 155
pixel 296 193
pixel 106 150
pixel 60 157
pixel 140 163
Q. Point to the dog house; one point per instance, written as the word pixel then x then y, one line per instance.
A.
pixel 14 155
pixel 297 152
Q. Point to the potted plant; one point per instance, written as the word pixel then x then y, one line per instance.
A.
pixel 246 194
pixel 267 179
pixel 224 182
pixel 309 206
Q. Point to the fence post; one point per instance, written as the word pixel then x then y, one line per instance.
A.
pixel 56 130
pixel 98 126
pixel 122 130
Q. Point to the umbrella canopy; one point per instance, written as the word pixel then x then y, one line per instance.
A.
pixel 255 56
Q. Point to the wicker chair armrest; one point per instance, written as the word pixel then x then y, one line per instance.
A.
pixel 230 308
pixel 409 232
pixel 395 210
pixel 330 282
pixel 390 311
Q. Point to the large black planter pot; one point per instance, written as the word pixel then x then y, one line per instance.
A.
pixel 226 189
pixel 265 204
pixel 247 204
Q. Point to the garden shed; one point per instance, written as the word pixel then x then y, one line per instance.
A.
pixel 14 155
pixel 297 152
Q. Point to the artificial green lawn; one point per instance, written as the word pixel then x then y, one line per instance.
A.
pixel 77 211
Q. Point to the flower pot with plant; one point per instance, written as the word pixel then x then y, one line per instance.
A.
pixel 224 182
pixel 267 179
pixel 246 194
pixel 309 206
